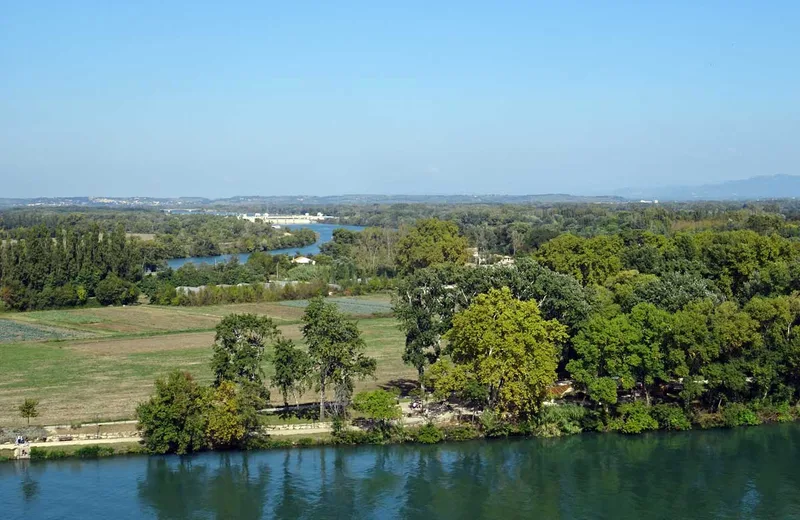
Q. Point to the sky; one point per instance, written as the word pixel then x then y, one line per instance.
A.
pixel 218 99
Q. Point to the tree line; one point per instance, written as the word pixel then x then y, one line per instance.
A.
pixel 700 324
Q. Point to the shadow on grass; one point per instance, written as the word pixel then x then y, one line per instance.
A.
pixel 405 386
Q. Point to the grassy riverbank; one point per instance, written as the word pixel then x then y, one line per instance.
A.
pixel 113 354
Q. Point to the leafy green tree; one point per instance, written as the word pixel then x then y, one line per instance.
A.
pixel 431 242
pixel 239 348
pixel 29 409
pixel 292 367
pixel 378 406
pixel 336 350
pixel 508 347
pixel 113 290
pixel 174 419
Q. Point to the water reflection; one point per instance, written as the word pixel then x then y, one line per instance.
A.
pixel 749 473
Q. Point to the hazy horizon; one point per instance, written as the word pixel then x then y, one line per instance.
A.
pixel 466 98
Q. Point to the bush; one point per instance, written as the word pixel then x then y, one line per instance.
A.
pixel 633 418
pixel 305 441
pixel 780 413
pixel 93 452
pixel 494 426
pixel 708 420
pixel 44 454
pixel 670 417
pixel 113 290
pixel 554 421
pixel 429 434
pixel 737 414
pixel 461 433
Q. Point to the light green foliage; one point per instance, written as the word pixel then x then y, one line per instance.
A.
pixel 377 405
pixel 555 421
pixel 589 260
pixel 225 422
pixel 633 418
pixel 506 345
pixel 430 242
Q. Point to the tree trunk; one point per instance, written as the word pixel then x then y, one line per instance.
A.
pixel 322 400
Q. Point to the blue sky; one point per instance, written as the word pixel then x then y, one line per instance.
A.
pixel 274 98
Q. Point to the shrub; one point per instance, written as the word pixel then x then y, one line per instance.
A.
pixel 305 441
pixel 737 414
pixel 708 420
pixel 554 421
pixel 44 454
pixel 429 434
pixel 670 417
pixel 93 452
pixel 633 418
pixel 780 413
pixel 494 426
pixel 113 290
pixel 461 433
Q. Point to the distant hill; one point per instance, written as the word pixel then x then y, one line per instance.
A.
pixel 763 187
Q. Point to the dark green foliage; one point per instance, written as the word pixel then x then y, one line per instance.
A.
pixel 428 434
pixel 239 348
pixel 44 454
pixel 463 432
pixel 670 417
pixel 738 414
pixel 292 369
pixel 93 452
pixel 112 290
pixel 336 351
pixel 174 419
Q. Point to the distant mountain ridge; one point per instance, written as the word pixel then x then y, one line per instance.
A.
pixel 762 187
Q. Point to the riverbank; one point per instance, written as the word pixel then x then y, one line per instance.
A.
pixel 555 421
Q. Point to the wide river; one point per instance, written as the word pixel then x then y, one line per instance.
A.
pixel 324 234
pixel 751 473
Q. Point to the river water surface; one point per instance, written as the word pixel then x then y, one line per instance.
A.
pixel 751 473
pixel 324 234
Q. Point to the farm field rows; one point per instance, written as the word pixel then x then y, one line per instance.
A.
pixel 106 376
pixel 152 319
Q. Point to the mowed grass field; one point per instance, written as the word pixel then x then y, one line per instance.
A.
pixel 110 367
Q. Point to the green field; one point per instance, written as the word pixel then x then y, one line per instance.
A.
pixel 15 331
pixel 105 373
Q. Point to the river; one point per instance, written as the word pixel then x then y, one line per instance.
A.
pixel 748 473
pixel 324 234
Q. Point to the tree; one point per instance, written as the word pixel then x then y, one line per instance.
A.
pixel 431 242
pixel 231 415
pixel 291 369
pixel 174 419
pixel 507 345
pixel 28 409
pixel 239 348
pixel 336 350
pixel 378 406
pixel 113 290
